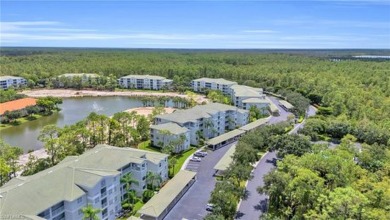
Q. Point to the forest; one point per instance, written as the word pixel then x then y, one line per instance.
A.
pixel 311 181
pixel 324 82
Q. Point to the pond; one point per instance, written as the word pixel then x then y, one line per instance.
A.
pixel 72 111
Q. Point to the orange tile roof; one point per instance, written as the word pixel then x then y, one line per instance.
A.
pixel 16 104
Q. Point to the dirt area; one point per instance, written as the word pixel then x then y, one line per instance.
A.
pixel 145 111
pixel 23 159
pixel 65 93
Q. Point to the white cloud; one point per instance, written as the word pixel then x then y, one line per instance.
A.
pixel 260 31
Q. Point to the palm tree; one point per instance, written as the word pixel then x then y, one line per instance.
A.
pixel 90 213
pixel 153 180
pixel 128 179
pixel 172 164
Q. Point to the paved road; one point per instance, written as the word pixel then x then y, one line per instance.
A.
pixel 255 204
pixel 193 204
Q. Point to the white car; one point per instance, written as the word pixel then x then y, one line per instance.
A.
pixel 195 159
pixel 200 154
pixel 209 207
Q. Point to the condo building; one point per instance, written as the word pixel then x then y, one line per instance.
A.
pixel 12 81
pixel 223 85
pixel 92 178
pixel 205 121
pixel 144 82
pixel 162 135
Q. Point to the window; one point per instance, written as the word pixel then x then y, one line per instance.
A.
pixel 97 200
pixel 103 183
pixel 80 211
pixel 79 200
pixel 143 178
pixel 160 165
pixel 144 187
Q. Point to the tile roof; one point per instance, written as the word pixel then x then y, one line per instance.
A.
pixel 256 100
pixel 173 128
pixel 226 160
pixel 246 91
pixel 144 77
pixel 197 112
pixel 68 179
pixel 213 80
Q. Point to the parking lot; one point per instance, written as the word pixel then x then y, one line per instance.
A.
pixel 192 205
pixel 193 166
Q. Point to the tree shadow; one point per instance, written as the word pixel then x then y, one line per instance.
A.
pixel 262 206
pixel 273 161
pixel 247 193
pixel 239 215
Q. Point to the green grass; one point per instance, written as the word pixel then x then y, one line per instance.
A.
pixel 146 146
pixel 181 158
pixel 134 212
pixel 20 121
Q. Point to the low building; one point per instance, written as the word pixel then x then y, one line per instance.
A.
pixel 240 93
pixel 161 203
pixel 12 82
pixel 144 82
pixel 256 124
pixel 273 108
pixel 223 85
pixel 286 105
pixel 224 163
pixel 259 103
pixel 18 104
pixel 206 121
pixel 170 134
pixel 224 139
pixel 92 178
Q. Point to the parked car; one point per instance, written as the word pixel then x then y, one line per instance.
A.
pixel 195 159
pixel 200 153
pixel 209 207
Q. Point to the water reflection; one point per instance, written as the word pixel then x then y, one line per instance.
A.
pixel 73 110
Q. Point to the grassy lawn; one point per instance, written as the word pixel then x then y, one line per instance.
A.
pixel 20 121
pixel 146 146
pixel 137 206
pixel 181 158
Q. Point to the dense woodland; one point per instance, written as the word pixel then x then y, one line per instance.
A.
pixel 353 90
pixel 312 181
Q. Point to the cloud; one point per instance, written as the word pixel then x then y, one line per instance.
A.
pixel 260 31
pixel 313 23
pixel 20 25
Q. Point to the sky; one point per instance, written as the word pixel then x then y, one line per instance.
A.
pixel 305 24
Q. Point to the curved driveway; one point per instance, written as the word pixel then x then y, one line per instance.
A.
pixel 255 204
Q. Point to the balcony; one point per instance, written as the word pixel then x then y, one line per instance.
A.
pixel 57 211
